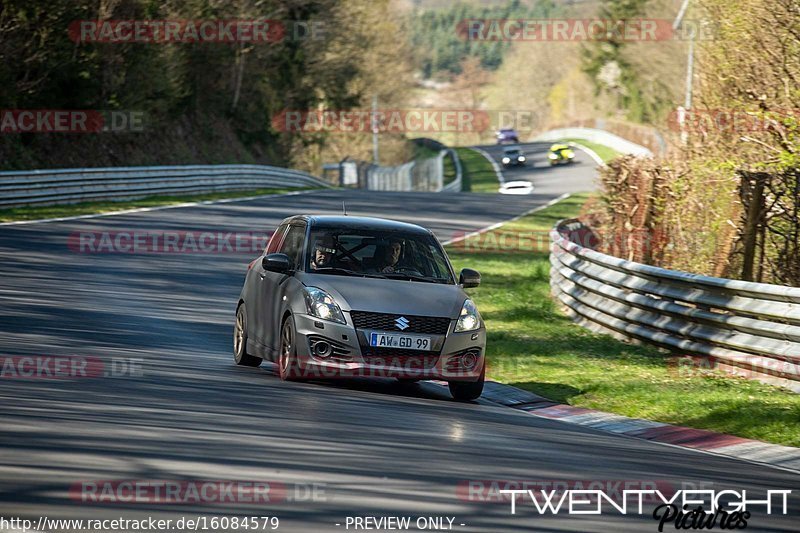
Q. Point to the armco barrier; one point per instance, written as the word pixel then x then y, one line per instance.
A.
pixel 605 138
pixel 420 175
pixel 750 329
pixel 37 187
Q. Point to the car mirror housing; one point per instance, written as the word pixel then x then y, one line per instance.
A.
pixel 277 263
pixel 469 278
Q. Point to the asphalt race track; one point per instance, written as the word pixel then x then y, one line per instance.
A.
pixel 547 178
pixel 343 449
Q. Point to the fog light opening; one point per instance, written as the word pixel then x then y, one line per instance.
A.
pixel 321 349
pixel 469 360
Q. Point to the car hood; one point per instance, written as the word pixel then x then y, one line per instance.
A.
pixel 389 295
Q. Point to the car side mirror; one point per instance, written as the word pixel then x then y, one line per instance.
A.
pixel 469 278
pixel 277 263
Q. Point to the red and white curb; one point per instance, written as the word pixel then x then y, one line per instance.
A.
pixel 785 457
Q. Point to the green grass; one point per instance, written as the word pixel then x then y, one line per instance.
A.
pixel 86 208
pixel 479 175
pixel 605 153
pixel 449 170
pixel 534 346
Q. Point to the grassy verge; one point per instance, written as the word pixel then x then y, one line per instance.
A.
pixel 479 175
pixel 605 153
pixel 86 208
pixel 532 345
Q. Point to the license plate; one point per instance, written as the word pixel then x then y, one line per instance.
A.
pixel 399 340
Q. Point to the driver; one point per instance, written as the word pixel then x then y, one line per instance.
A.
pixel 324 252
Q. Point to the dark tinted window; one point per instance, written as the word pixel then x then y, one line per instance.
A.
pixel 275 240
pixel 293 244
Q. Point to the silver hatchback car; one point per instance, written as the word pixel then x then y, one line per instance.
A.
pixel 341 296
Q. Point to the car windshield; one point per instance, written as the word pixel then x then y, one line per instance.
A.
pixel 374 253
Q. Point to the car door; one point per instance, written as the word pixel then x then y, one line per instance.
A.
pixel 255 303
pixel 272 285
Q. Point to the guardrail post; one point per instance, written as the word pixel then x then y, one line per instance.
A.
pixel 752 194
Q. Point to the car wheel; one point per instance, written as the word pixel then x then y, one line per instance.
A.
pixel 240 354
pixel 287 361
pixel 465 391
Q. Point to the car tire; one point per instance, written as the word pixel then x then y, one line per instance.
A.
pixel 240 354
pixel 466 391
pixel 288 369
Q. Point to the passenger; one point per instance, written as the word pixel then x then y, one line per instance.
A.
pixel 388 259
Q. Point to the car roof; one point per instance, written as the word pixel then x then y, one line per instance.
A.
pixel 355 222
pixel 511 149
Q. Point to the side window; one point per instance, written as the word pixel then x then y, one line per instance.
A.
pixel 275 240
pixel 293 244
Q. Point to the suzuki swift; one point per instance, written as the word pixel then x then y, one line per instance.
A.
pixel 341 296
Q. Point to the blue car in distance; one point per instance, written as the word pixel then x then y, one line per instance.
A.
pixel 507 135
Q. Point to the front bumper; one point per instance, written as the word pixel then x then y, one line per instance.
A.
pixel 458 356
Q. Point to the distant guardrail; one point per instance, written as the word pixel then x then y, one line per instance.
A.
pixel 40 187
pixel 456 184
pixel 637 135
pixel 750 329
pixel 420 175
pixel 603 137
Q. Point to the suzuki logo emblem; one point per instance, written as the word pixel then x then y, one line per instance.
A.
pixel 401 323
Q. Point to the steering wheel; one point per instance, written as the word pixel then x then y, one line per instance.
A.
pixel 408 270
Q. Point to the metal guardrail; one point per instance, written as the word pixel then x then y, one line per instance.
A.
pixel 456 184
pixel 37 187
pixel 750 329
pixel 605 138
pixel 421 175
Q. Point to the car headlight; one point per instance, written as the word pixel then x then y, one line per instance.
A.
pixel 571 156
pixel 506 160
pixel 470 318
pixel 322 305
pixel 552 156
pixel 521 158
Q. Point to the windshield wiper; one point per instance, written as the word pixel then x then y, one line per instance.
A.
pixel 412 277
pixel 346 272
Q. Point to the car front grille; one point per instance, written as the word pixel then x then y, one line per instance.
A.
pixel 430 325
